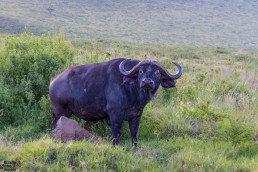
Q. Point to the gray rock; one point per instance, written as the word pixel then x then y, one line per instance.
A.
pixel 69 130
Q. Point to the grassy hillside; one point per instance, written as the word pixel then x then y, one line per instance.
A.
pixel 209 23
pixel 209 123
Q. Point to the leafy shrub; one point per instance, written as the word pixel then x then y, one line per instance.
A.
pixel 27 63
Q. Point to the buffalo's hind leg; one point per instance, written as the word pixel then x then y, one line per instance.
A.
pixel 59 111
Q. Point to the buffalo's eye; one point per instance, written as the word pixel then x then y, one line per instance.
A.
pixel 157 73
pixel 140 71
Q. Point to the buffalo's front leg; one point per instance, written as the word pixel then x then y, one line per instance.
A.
pixel 116 119
pixel 134 126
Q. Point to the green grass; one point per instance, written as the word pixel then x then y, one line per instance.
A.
pixel 208 123
pixel 177 154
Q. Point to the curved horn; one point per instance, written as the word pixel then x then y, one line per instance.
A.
pixel 132 71
pixel 165 72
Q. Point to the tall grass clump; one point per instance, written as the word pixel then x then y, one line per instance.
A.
pixel 27 63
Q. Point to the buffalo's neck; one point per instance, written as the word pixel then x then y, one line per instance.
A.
pixel 142 96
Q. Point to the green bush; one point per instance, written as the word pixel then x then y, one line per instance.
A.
pixel 27 63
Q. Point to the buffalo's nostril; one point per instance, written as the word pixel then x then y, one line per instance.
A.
pixel 147 81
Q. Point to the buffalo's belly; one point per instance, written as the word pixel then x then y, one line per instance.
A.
pixel 89 105
pixel 89 113
pixel 94 117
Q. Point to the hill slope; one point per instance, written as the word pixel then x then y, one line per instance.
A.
pixel 229 24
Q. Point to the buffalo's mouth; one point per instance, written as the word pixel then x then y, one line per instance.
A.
pixel 145 86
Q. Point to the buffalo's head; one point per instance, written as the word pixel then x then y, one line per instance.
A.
pixel 150 74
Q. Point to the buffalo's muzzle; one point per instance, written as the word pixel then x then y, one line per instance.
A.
pixel 147 84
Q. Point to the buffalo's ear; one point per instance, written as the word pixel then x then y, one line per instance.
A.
pixel 129 79
pixel 168 83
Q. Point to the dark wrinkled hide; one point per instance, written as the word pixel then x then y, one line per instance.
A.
pixel 96 91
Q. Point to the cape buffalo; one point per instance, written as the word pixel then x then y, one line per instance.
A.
pixel 117 89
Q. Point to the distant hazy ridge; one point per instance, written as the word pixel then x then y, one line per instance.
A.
pixel 203 23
